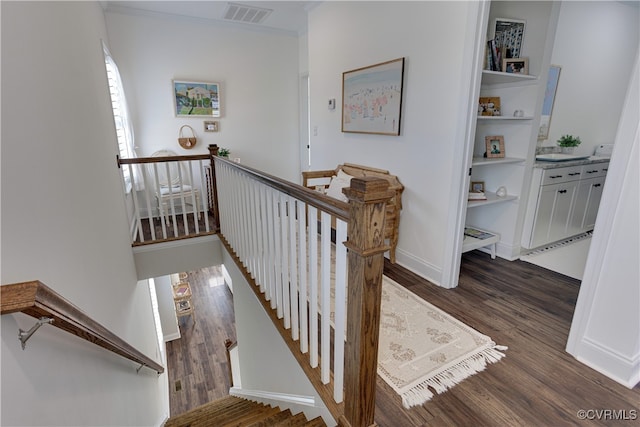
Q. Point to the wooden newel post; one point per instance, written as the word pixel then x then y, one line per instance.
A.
pixel 367 200
pixel 213 153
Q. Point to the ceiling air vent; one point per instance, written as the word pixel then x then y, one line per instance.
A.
pixel 244 13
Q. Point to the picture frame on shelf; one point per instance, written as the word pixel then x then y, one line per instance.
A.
pixel 508 35
pixel 477 187
pixel 516 66
pixel 489 106
pixel 495 146
pixel 372 98
pixel 196 99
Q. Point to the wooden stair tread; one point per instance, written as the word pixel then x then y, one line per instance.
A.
pixel 236 412
pixel 273 419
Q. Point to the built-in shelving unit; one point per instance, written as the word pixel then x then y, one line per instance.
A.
pixel 521 97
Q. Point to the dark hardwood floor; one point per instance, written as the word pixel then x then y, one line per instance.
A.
pixel 197 362
pixel 525 307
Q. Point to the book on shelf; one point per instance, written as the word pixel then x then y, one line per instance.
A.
pixel 478 234
pixel 182 290
pixel 477 195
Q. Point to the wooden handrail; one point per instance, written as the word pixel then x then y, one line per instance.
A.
pixel 160 159
pixel 365 214
pixel 37 300
pixel 335 207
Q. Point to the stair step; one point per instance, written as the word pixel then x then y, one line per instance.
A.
pixel 254 416
pixel 273 420
pixel 236 412
pixel 297 420
pixel 316 422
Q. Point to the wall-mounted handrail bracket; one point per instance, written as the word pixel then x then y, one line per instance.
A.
pixel 24 336
pixel 140 367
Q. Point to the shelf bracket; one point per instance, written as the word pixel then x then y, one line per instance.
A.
pixel 24 336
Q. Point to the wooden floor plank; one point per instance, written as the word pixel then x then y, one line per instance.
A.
pixel 525 307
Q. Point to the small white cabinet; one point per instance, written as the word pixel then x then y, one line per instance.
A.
pixel 564 202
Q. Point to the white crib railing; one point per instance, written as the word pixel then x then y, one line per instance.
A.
pixel 281 235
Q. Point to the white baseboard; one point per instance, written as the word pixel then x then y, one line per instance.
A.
pixel 171 337
pixel 419 266
pixel 295 403
pixel 273 396
pixel 620 368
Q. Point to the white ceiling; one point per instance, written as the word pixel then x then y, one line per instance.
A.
pixel 289 16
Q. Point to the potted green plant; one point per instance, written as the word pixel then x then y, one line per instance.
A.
pixel 224 152
pixel 568 142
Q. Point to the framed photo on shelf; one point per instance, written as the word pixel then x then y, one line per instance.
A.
pixel 489 106
pixel 509 36
pixel 196 99
pixel 516 65
pixel 495 146
pixel 372 98
pixel 477 186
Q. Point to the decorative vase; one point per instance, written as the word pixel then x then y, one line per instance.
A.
pixel 567 150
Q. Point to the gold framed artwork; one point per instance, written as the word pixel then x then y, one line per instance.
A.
pixel 372 98
pixel 489 106
pixel 495 146
pixel 196 99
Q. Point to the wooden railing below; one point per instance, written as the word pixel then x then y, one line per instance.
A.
pixel 279 235
pixel 168 197
pixel 38 300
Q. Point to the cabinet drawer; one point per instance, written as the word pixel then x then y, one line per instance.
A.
pixel 558 175
pixel 595 170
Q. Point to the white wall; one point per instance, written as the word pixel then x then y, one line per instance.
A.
pixel 605 332
pixel 266 364
pixel 432 37
pixel 64 223
pixel 594 45
pixel 257 71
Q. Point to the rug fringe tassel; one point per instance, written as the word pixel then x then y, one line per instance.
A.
pixel 443 381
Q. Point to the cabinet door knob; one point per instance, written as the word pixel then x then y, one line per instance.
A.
pixel 562 191
pixel 597 185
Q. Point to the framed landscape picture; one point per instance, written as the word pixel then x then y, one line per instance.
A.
pixel 196 99
pixel 372 98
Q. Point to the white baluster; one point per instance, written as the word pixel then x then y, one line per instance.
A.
pixel 277 213
pixel 312 218
pixel 302 277
pixel 284 231
pixel 293 268
pixel 325 297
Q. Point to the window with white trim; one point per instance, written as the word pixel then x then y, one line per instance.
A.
pixel 124 131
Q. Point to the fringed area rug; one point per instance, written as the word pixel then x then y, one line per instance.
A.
pixel 422 348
